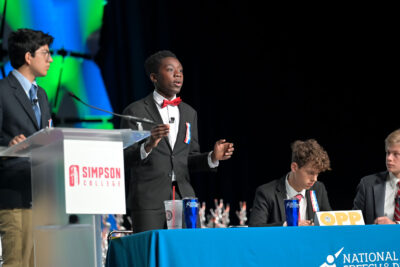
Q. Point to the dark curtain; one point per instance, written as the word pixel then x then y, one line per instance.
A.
pixel 263 77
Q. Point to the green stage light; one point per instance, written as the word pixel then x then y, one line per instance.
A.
pixel 75 25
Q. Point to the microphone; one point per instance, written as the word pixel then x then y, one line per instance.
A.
pixel 133 118
pixel 34 101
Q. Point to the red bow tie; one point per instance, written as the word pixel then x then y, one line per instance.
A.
pixel 174 102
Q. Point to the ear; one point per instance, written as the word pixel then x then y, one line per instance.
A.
pixel 153 77
pixel 28 58
pixel 294 167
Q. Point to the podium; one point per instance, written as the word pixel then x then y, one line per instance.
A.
pixel 77 174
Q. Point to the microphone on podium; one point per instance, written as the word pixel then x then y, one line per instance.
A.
pixel 129 117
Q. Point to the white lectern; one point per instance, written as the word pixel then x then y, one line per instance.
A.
pixel 78 172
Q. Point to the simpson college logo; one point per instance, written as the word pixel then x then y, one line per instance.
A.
pixel 73 175
pixel 90 176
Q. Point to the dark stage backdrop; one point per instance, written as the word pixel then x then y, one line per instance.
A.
pixel 262 77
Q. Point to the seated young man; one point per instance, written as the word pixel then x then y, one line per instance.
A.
pixel 377 193
pixel 308 160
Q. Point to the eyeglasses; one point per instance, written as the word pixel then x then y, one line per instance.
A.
pixel 46 53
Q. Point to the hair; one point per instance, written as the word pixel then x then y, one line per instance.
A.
pixel 25 40
pixel 307 151
pixel 392 139
pixel 153 62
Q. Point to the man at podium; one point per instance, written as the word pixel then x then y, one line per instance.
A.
pixel 24 109
pixel 172 150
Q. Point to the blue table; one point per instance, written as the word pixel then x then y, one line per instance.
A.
pixel 349 246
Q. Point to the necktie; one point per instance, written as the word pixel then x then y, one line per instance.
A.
pixel 35 104
pixel 299 197
pixel 174 102
pixel 397 205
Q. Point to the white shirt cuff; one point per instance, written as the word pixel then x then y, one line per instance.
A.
pixel 143 153
pixel 211 163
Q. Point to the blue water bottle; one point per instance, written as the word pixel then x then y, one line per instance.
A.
pixel 292 208
pixel 191 211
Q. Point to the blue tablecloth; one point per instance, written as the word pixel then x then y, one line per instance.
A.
pixel 349 246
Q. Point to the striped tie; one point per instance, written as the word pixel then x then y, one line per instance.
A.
pixel 299 197
pixel 397 205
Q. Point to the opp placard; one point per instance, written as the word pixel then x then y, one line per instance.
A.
pixel 343 217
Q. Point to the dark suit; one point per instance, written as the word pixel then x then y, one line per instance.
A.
pixel 17 117
pixel 150 180
pixel 370 198
pixel 268 207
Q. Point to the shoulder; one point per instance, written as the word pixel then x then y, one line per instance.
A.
pixel 139 104
pixel 6 86
pixel 374 178
pixel 2 81
pixel 269 187
pixel 6 81
pixel 3 86
pixel 9 82
pixel 42 91
pixel 319 187
pixel 187 108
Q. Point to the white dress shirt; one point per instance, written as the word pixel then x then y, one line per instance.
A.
pixel 170 115
pixel 291 193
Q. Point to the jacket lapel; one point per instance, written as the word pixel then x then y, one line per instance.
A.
pixel 153 112
pixel 181 129
pixel 43 109
pixel 379 195
pixel 281 196
pixel 21 96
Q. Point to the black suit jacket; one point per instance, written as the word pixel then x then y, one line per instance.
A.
pixel 370 197
pixel 150 179
pixel 17 117
pixel 268 207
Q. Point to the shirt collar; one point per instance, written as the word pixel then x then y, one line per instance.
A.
pixel 290 190
pixel 159 98
pixel 393 180
pixel 25 83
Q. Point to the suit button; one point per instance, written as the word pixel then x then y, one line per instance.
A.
pixel 172 157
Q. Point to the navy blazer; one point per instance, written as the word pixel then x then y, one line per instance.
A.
pixel 370 197
pixel 17 117
pixel 268 207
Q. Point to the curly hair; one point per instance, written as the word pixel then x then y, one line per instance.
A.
pixel 153 62
pixel 307 151
pixel 392 139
